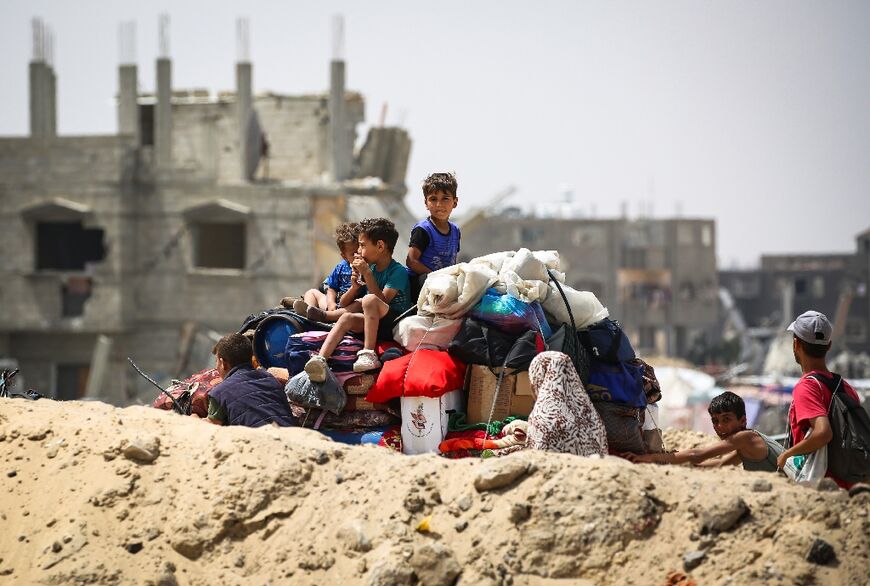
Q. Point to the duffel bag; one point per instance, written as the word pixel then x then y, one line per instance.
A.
pixel 618 382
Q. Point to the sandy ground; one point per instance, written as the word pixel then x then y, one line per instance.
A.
pixel 82 503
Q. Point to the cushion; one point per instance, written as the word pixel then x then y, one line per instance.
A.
pixel 424 373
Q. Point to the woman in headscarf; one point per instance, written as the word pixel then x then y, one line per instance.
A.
pixel 563 418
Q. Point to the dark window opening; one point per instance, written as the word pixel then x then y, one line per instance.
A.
pixel 219 246
pixel 800 286
pixel 530 235
pixel 74 293
pixel 647 338
pixel 67 246
pixel 72 381
pixel 146 124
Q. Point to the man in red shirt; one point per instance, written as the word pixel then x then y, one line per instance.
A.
pixel 811 399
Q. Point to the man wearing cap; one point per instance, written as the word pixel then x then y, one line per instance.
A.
pixel 810 398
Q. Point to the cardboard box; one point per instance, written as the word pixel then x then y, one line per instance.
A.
pixel 515 396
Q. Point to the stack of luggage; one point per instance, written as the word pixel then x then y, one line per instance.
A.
pixel 455 380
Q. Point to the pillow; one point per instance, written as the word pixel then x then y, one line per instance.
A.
pixel 430 373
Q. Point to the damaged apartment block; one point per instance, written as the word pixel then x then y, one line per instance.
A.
pixel 201 209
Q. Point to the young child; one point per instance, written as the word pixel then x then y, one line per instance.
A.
pixel 388 297
pixel 434 242
pixel 246 396
pixel 315 303
pixel 753 449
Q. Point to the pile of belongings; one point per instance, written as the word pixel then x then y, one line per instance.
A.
pixel 455 379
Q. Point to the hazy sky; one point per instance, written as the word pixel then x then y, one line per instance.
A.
pixel 754 113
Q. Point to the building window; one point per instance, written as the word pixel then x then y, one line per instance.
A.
pixel 67 246
pixel 71 381
pixel 685 235
pixel 856 331
pixel 800 286
pixel 530 235
pixel 706 235
pixel 634 258
pixel 218 245
pixel 647 338
pixel 146 124
pixel 818 287
pixel 747 288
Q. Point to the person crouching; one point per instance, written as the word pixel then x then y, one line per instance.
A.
pixel 247 396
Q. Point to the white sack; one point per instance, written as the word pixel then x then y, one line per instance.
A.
pixel 550 258
pixel 585 306
pixel 452 291
pixel 526 266
pixel 494 260
pixel 521 289
pixel 426 332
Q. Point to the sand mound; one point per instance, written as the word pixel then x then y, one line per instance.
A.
pixel 95 494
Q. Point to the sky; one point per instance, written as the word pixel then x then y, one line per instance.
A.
pixel 756 114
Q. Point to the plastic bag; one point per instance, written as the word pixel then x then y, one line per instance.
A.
pixel 807 467
pixel 328 395
pixel 510 314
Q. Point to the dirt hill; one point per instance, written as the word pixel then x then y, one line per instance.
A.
pixel 96 494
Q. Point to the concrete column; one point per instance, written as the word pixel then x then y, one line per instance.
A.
pixel 244 103
pixel 337 132
pixel 128 106
pixel 38 90
pixel 50 101
pixel 163 114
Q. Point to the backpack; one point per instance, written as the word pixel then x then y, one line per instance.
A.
pixel 849 449
pixel 618 382
pixel 606 342
pixel 478 343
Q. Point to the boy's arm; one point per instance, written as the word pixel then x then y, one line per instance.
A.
pixel 348 296
pixel 820 436
pixel 413 261
pixel 732 459
pixel 216 414
pixel 693 456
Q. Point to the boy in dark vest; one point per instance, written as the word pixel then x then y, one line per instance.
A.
pixel 247 396
pixel 752 449
pixel 434 241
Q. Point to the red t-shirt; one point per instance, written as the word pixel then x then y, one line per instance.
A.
pixel 811 399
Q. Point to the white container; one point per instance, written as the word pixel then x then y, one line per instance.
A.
pixel 424 421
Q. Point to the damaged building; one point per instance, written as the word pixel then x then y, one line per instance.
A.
pixel 202 209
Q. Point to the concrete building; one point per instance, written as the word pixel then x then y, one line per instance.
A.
pixel 656 276
pixel 201 210
pixel 787 285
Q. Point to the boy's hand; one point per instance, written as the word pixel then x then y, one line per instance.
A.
pixel 781 459
pixel 362 267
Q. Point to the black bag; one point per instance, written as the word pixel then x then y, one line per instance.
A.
pixel 477 343
pixel 565 340
pixel 605 341
pixel 849 449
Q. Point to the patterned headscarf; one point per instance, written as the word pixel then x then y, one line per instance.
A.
pixel 563 418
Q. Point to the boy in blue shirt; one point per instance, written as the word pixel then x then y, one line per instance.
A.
pixel 388 297
pixel 315 303
pixel 434 242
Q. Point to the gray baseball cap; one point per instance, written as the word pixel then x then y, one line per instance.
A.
pixel 813 328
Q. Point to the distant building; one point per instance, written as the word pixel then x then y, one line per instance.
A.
pixel 835 284
pixel 656 276
pixel 200 211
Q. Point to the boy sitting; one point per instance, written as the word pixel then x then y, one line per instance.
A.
pixel 247 396
pixel 314 304
pixel 434 242
pixel 388 297
pixel 753 449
